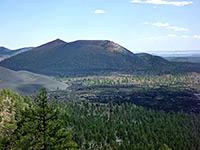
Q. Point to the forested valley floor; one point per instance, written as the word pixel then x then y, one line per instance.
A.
pixel 153 116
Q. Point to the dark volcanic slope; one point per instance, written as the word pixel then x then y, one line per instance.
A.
pixel 60 58
pixel 152 60
pixel 24 82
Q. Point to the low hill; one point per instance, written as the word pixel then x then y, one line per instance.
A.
pixel 152 60
pixel 84 56
pixel 155 61
pixel 24 82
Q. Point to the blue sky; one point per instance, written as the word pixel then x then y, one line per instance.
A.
pixel 139 25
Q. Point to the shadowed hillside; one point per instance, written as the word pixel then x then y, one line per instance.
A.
pixel 156 62
pixel 60 59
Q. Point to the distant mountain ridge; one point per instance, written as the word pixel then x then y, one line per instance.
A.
pixel 184 59
pixel 60 58
pixel 6 53
pixel 176 53
pixel 4 50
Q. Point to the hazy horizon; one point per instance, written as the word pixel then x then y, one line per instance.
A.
pixel 163 53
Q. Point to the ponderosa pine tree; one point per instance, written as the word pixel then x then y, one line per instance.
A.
pixel 40 127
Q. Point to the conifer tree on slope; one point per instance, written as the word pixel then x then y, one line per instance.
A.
pixel 41 128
